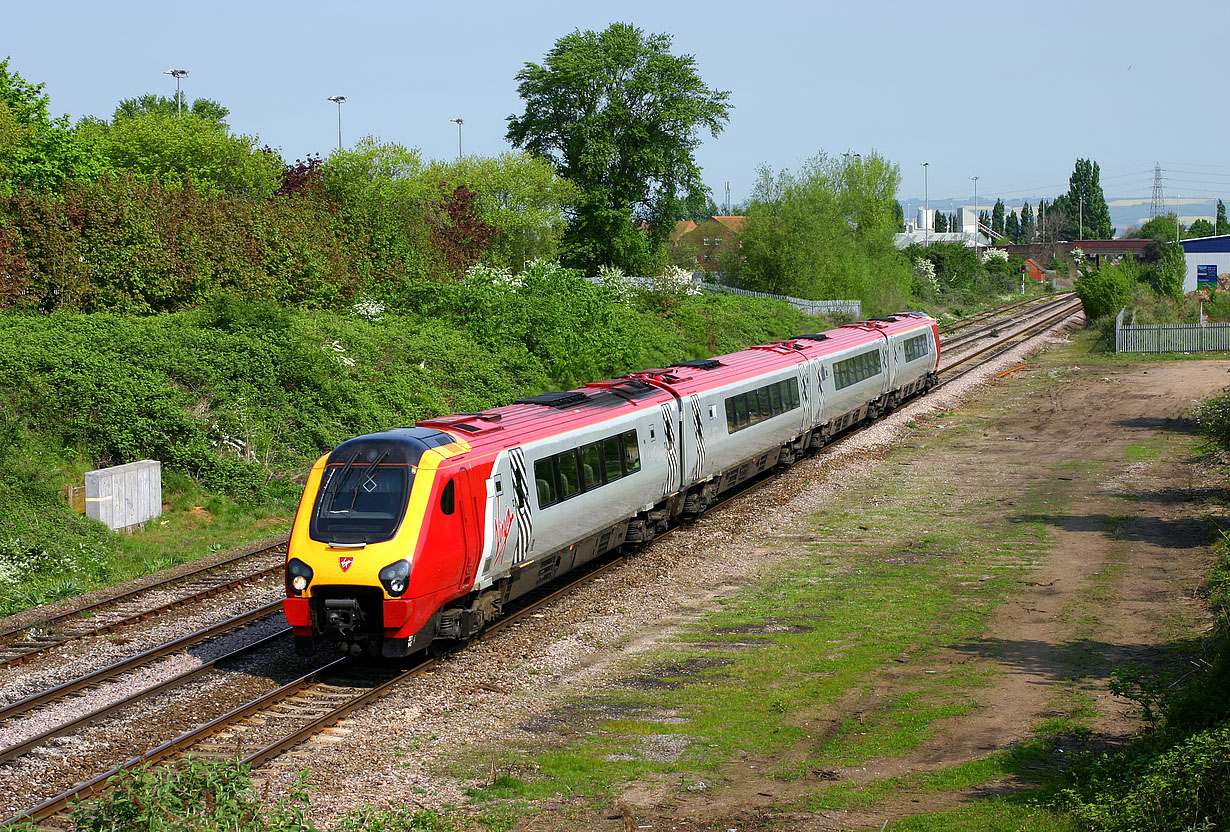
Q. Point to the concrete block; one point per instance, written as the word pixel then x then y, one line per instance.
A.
pixel 125 495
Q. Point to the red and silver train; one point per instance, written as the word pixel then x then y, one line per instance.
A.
pixel 413 535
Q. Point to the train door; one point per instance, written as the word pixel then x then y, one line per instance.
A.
pixel 471 535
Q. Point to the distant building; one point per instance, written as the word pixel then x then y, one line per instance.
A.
pixel 701 245
pixel 916 232
pixel 1034 272
pixel 1208 262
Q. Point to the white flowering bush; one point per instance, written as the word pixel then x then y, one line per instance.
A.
pixel 673 280
pixel 1078 256
pixel 992 255
pixel 368 308
pixel 501 277
pixel 925 270
pixel 613 279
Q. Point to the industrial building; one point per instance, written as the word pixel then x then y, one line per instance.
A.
pixel 1208 262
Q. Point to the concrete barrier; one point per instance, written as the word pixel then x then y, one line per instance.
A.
pixel 125 496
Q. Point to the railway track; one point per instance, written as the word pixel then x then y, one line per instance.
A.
pixel 20 644
pixel 277 720
pixel 1018 317
pixel 996 312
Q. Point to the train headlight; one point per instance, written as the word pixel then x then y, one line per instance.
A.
pixel 298 576
pixel 395 577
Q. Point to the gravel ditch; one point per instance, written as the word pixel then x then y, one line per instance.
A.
pixel 498 690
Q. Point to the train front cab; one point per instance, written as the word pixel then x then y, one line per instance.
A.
pixel 383 538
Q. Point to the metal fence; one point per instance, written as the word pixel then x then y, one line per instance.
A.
pixel 1171 337
pixel 849 308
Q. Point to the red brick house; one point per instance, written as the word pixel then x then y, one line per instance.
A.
pixel 700 245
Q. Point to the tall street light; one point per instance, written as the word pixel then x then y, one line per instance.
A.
pixel 926 206
pixel 976 221
pixel 339 100
pixel 458 122
pixel 179 75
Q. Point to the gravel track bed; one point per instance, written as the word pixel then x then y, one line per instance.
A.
pixel 505 688
pixel 81 656
pixel 65 761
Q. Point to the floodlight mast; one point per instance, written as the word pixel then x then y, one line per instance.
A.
pixel 339 100
pixel 178 75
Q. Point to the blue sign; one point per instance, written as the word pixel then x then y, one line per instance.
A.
pixel 1206 276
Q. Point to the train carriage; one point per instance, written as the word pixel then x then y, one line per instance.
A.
pixel 416 534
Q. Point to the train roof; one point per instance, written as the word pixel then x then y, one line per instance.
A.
pixel 548 414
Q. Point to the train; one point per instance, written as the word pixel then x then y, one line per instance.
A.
pixel 413 536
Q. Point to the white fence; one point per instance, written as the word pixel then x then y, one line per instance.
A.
pixel 850 308
pixel 1170 337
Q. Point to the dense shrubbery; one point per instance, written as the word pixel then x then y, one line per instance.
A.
pixel 952 273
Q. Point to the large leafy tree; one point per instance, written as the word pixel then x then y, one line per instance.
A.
pixel 1084 205
pixel 1223 227
pixel 621 117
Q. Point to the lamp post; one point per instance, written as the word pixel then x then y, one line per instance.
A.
pixel 975 178
pixel 1080 227
pixel 178 75
pixel 927 206
pixel 339 100
pixel 458 122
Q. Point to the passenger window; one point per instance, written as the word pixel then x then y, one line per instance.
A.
pixel 775 399
pixel 732 424
pixel 741 411
pixel 753 407
pixel 591 467
pixel 766 407
pixel 544 474
pixel 569 478
pixel 613 451
pixel 448 498
pixel 632 453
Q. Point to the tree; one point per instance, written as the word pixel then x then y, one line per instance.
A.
pixel 37 151
pixel 997 217
pixel 521 196
pixel 190 149
pixel 826 231
pixel 1027 223
pixel 202 108
pixel 620 117
pixel 1201 228
pixel 1012 227
pixel 1084 204
pixel 1223 227
pixel 941 222
pixel 984 220
pixel 1170 271
pixel 1164 228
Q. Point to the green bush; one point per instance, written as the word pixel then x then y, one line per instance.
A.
pixel 1105 291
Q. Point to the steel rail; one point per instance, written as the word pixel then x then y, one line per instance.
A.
pixel 52 694
pixel 1021 316
pixel 980 317
pixel 123 596
pixel 1010 342
pixel 136 618
pixel 17 750
pixel 182 743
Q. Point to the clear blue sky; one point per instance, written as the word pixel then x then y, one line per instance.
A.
pixel 1011 92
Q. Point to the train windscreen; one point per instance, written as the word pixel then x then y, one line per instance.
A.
pixel 363 492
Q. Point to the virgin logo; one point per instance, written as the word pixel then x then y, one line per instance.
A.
pixel 345 563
